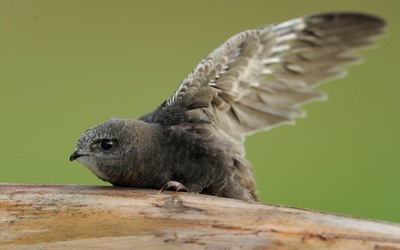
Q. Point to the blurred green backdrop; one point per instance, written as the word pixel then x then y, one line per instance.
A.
pixel 68 65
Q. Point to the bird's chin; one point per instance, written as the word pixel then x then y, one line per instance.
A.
pixel 92 166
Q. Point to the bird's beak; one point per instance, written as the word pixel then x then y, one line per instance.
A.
pixel 75 155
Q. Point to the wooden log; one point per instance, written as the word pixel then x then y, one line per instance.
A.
pixel 72 216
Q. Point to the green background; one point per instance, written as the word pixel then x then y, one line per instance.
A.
pixel 68 65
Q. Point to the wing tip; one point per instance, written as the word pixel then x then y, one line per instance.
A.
pixel 349 15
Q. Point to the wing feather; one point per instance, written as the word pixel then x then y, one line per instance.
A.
pixel 258 79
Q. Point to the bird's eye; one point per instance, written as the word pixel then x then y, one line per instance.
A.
pixel 107 144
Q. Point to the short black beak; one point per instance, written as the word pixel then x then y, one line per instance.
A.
pixel 75 155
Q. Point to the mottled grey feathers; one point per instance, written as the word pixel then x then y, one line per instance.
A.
pixel 254 81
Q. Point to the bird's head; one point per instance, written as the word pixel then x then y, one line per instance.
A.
pixel 106 147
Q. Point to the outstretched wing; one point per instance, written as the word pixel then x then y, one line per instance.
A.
pixel 258 79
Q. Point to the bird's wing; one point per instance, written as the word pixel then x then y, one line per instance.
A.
pixel 258 79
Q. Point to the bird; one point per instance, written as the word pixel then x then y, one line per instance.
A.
pixel 255 81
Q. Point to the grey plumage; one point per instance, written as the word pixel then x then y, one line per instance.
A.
pixel 254 81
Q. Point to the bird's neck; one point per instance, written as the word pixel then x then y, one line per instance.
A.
pixel 148 166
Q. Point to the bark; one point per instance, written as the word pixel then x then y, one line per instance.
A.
pixel 72 216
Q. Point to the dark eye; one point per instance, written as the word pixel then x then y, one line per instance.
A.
pixel 107 144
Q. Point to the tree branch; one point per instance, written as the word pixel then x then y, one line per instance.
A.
pixel 71 216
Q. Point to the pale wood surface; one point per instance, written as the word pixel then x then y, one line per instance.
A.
pixel 87 217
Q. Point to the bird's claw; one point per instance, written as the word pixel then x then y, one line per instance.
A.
pixel 175 185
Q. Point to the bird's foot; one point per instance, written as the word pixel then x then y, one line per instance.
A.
pixel 177 186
